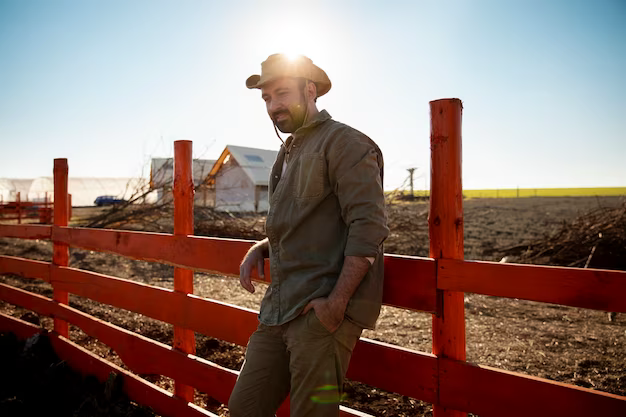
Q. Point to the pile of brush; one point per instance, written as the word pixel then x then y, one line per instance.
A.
pixel 596 239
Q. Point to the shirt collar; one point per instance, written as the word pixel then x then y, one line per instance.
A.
pixel 318 119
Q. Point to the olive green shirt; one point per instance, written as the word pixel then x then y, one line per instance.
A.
pixel 327 205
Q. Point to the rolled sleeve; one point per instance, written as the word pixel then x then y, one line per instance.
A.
pixel 355 172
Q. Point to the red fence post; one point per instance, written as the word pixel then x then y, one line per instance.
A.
pixel 19 208
pixel 60 255
pixel 445 225
pixel 184 339
pixel 44 209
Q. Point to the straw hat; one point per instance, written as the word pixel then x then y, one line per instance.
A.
pixel 281 65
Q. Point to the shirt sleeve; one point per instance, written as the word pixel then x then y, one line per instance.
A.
pixel 355 167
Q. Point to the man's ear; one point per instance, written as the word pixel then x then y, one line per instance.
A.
pixel 312 90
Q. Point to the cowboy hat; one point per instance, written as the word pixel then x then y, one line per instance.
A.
pixel 281 65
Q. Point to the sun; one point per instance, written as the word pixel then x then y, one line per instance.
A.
pixel 292 56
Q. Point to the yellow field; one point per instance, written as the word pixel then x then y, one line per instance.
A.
pixel 545 192
pixel 538 192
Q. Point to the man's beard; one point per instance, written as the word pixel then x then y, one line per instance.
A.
pixel 293 121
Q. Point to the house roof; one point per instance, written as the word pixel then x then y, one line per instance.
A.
pixel 256 163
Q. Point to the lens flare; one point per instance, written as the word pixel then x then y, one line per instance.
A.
pixel 328 394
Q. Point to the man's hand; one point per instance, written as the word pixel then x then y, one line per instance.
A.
pixel 255 258
pixel 329 313
pixel 330 310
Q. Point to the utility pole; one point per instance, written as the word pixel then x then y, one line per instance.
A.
pixel 411 171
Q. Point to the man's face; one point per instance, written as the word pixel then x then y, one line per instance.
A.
pixel 285 103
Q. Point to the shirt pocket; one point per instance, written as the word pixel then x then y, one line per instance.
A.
pixel 310 176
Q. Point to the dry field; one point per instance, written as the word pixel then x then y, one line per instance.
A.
pixel 572 345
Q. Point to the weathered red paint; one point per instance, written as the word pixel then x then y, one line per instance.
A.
pixel 31 231
pixel 87 363
pixel 235 324
pixel 20 328
pixel 596 289
pixel 139 353
pixel 184 339
pixel 445 221
pixel 491 392
pixel 137 389
pixel 395 369
pixel 409 281
pixel 60 254
pixel 25 268
pixel 19 208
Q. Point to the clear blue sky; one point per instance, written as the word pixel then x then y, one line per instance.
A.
pixel 108 84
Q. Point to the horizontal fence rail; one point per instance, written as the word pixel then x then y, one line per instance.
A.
pixel 18 210
pixel 491 392
pixel 596 289
pixel 403 371
pixel 31 231
pixel 141 354
pixel 409 281
pixel 396 369
pixel 435 286
pixel 137 389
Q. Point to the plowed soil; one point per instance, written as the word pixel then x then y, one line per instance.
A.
pixel 577 346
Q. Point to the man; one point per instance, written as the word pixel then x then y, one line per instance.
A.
pixel 325 228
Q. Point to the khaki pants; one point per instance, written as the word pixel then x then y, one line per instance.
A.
pixel 300 358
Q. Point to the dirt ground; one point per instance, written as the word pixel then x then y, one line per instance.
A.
pixel 576 346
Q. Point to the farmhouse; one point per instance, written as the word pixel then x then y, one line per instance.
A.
pixel 240 177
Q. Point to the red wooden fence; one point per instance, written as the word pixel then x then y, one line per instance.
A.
pixel 435 285
pixel 18 210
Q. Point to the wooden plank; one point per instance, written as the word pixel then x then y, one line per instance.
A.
pixel 184 339
pixel 588 288
pixel 410 282
pixel 85 362
pixel 60 250
pixel 491 392
pixel 213 318
pixel 139 353
pixel 397 369
pixel 25 268
pixel 19 209
pixel 445 229
pixel 235 324
pixel 22 329
pixel 195 252
pixel 136 388
pixel 31 231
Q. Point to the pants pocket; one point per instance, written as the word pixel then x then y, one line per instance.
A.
pixel 314 323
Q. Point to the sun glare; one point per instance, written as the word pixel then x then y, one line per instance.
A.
pixel 291 56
